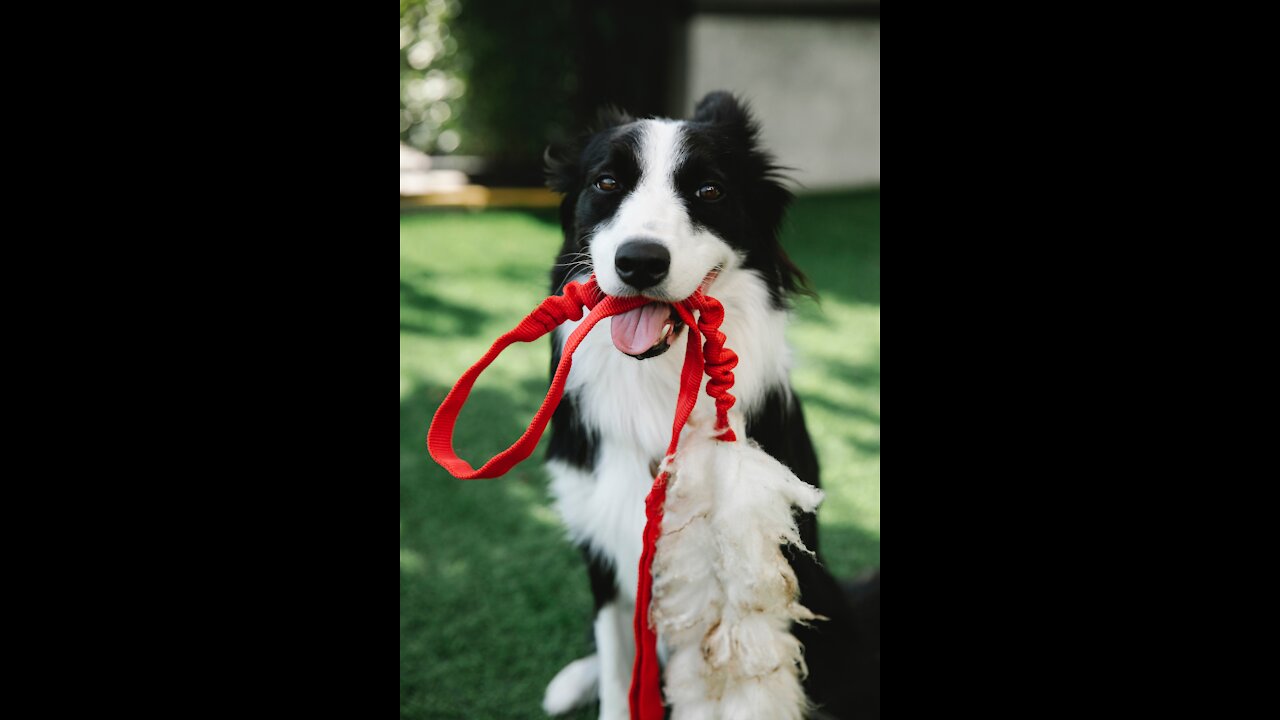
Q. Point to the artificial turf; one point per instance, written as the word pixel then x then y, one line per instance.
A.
pixel 493 600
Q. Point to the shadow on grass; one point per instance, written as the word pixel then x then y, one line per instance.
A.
pixel 490 591
pixel 845 410
pixel 848 550
pixel 522 275
pixel 865 376
pixel 835 240
pixel 430 315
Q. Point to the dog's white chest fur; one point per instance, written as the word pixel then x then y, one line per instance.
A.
pixel 630 405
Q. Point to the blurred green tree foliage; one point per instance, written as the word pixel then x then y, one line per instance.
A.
pixel 494 78
pixel 433 88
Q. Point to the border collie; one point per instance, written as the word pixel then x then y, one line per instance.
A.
pixel 662 208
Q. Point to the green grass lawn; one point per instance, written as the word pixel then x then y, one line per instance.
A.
pixel 493 600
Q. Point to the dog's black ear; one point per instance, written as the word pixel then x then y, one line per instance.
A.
pixel 563 160
pixel 610 116
pixel 722 108
pixel 564 175
pixel 561 165
pixel 767 196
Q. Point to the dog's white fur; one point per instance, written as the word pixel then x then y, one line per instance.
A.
pixel 574 686
pixel 631 404
pixel 724 574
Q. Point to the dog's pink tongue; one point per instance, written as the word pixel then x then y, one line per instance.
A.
pixel 635 331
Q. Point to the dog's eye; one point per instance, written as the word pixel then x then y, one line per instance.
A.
pixel 710 192
pixel 605 183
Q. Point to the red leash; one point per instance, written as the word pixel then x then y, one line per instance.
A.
pixel 711 357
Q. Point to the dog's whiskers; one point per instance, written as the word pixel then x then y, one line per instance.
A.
pixel 577 264
pixel 572 256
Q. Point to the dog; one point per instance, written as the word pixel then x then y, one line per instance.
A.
pixel 663 208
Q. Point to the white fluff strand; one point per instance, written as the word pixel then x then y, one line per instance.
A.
pixel 724 595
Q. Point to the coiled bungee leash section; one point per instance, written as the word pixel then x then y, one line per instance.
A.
pixel 711 357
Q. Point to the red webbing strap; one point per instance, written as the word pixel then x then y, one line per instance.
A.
pixel 553 312
pixel 646 673
pixel 712 357
pixel 720 360
pixel 718 363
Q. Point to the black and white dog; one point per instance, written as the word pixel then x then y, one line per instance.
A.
pixel 661 208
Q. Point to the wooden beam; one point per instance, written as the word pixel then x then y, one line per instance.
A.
pixel 476 196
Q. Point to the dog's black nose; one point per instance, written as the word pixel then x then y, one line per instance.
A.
pixel 642 263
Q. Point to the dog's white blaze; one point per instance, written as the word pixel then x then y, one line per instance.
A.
pixel 654 210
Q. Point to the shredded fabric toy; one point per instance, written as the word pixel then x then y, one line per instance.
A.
pixel 722 602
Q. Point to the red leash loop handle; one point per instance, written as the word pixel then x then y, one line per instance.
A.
pixel 551 314
pixel 712 357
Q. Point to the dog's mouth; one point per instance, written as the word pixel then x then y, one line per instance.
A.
pixel 650 330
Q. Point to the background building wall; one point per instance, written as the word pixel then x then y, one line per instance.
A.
pixel 814 83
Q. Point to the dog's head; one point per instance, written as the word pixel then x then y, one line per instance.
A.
pixel 661 208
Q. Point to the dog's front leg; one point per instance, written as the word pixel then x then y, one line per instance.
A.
pixel 616 647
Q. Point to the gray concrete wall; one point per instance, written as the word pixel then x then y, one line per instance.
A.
pixel 814 83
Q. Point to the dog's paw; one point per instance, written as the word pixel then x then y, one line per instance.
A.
pixel 574 686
